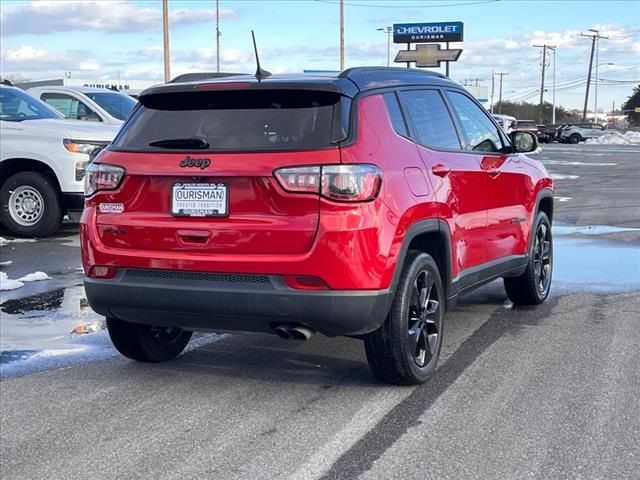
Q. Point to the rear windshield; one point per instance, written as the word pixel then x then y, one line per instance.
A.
pixel 240 120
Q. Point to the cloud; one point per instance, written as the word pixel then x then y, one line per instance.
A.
pixel 28 58
pixel 116 16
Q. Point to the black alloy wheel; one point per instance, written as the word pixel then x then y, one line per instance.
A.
pixel 405 349
pixel 532 287
pixel 424 327
pixel 542 258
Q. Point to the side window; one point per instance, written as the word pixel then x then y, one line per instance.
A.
pixel 481 133
pixel 430 119
pixel 70 107
pixel 395 114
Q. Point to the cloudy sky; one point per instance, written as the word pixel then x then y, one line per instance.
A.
pixel 97 39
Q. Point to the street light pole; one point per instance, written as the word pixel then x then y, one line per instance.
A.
pixel 341 35
pixel 493 83
pixel 165 39
pixel 388 30
pixel 501 74
pixel 596 83
pixel 218 36
pixel 553 113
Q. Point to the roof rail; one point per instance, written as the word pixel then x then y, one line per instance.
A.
pixel 350 72
pixel 370 78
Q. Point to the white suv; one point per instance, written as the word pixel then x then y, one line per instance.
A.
pixel 87 103
pixel 580 132
pixel 42 163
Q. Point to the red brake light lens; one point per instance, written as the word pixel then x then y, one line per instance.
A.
pixel 223 86
pixel 100 176
pixel 343 183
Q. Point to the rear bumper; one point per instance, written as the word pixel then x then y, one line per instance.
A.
pixel 233 302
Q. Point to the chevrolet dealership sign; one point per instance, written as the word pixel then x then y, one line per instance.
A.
pixel 428 32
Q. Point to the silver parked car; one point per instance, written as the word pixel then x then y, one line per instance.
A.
pixel 580 132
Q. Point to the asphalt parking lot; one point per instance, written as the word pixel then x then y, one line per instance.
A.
pixel 548 392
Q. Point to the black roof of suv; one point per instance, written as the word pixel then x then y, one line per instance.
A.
pixel 348 83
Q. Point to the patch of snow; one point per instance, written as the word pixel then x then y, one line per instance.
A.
pixel 81 349
pixel 591 229
pixel 7 241
pixel 563 199
pixel 562 176
pixel 6 264
pixel 590 164
pixel 7 284
pixel 615 138
pixel 34 277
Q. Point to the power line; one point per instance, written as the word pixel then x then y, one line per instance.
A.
pixel 394 5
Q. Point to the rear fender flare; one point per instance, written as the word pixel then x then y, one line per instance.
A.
pixel 437 226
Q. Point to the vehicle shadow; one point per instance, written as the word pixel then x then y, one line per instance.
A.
pixel 322 361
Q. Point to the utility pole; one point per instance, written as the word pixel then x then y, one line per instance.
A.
pixel 553 112
pixel 594 37
pixel 501 74
pixel 341 35
pixel 218 36
pixel 544 66
pixel 165 39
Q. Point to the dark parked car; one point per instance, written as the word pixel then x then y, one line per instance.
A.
pixel 527 126
pixel 359 204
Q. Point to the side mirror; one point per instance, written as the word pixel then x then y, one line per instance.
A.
pixel 524 142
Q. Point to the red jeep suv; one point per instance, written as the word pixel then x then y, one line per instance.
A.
pixel 361 204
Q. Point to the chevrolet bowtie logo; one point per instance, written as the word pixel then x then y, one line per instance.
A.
pixel 428 55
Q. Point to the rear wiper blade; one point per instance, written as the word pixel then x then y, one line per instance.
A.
pixel 192 142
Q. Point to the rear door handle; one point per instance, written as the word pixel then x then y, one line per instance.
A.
pixel 440 170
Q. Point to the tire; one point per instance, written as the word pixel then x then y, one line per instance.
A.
pixel 533 286
pixel 417 313
pixel 145 343
pixel 575 138
pixel 30 205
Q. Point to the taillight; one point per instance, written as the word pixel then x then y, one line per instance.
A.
pixel 299 179
pixel 351 183
pixel 100 176
pixel 343 183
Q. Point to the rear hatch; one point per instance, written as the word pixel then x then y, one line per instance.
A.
pixel 199 170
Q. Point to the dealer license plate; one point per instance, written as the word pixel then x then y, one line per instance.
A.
pixel 200 199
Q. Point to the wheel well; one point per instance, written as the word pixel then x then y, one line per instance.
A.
pixel 433 243
pixel 15 165
pixel 546 206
